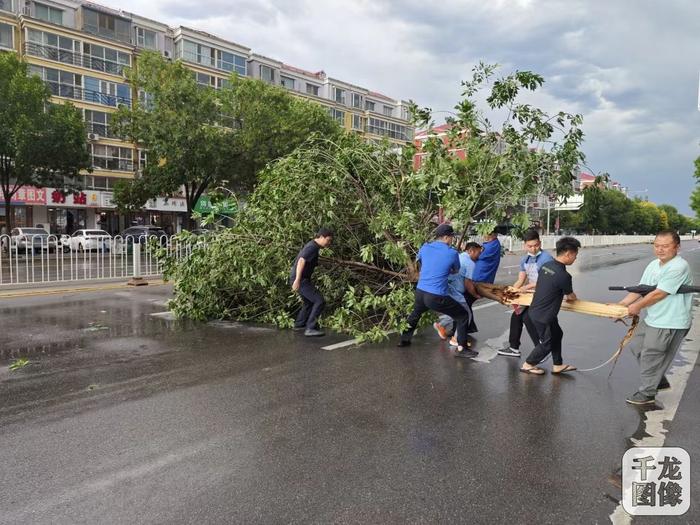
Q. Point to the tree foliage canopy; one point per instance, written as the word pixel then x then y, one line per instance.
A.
pixel 381 210
pixel 41 144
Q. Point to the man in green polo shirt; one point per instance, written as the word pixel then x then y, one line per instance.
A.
pixel 668 317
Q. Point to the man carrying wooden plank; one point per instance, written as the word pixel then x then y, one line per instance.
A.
pixel 669 315
pixel 530 266
pixel 553 284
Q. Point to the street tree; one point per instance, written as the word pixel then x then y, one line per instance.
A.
pixel 199 138
pixel 380 209
pixel 41 144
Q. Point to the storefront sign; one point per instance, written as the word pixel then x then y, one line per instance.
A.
pixel 106 199
pixel 28 195
pixel 80 199
pixel 176 204
pixel 204 205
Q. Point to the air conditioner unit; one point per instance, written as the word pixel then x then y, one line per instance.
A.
pixel 93 136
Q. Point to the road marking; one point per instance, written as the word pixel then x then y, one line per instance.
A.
pixel 351 342
pixel 31 293
pixel 654 419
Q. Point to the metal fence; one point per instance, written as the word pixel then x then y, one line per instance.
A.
pixel 37 259
pixel 587 241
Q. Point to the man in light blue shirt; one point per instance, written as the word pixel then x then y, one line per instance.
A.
pixel 456 287
pixel 669 315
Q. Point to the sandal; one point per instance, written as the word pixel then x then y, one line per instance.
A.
pixel 535 370
pixel 567 368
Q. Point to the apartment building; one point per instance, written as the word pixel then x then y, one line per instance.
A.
pixel 80 49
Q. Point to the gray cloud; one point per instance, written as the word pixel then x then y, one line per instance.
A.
pixel 629 66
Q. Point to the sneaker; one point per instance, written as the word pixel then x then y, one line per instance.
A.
pixel 465 352
pixel 510 352
pixel 440 330
pixel 640 399
pixel 663 384
pixel 310 332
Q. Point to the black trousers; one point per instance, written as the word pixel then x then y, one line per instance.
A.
pixel 470 301
pixel 313 305
pixel 516 328
pixel 550 335
pixel 443 304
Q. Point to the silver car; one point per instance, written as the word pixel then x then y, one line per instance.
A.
pixel 31 239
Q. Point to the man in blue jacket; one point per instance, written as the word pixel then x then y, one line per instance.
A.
pixel 438 260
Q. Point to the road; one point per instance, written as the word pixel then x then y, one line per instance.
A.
pixel 126 416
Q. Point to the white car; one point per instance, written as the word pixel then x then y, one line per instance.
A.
pixel 23 240
pixel 87 240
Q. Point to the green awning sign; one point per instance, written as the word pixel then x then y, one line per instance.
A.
pixel 204 205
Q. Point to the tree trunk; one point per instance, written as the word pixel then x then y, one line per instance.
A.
pixel 8 212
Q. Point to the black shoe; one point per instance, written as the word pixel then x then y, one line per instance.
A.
pixel 403 343
pixel 310 332
pixel 663 384
pixel 640 399
pixel 466 353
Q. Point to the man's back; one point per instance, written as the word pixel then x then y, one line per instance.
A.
pixel 553 283
pixel 437 261
pixel 488 262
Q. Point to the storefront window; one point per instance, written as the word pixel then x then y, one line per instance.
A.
pixel 64 220
pixel 21 217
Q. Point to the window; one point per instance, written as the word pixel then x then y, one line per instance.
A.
pixel 48 13
pixel 205 80
pixel 358 123
pixel 53 47
pixel 389 129
pixel 112 157
pixel 6 5
pixel 339 96
pixel 287 82
pixel 230 62
pixel 6 37
pixel 106 25
pixel 369 105
pixel 267 74
pixel 356 100
pixel 105 59
pixel 312 89
pixel 107 93
pixel 388 111
pixel 146 100
pixel 61 83
pixel 337 115
pixel 223 83
pixel 146 38
pixel 143 159
pixel 98 122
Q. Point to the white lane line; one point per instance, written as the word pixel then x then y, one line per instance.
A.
pixel 351 342
pixel 670 399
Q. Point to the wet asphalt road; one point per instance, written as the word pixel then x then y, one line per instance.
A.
pixel 127 417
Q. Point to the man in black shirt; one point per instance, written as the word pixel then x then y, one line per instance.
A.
pixel 553 285
pixel 300 278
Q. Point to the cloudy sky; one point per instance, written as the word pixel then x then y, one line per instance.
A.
pixel 629 66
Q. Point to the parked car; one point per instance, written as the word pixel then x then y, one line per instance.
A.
pixel 64 242
pixel 30 239
pixel 140 235
pixel 87 240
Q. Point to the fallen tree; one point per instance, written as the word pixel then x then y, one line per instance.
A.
pixel 380 209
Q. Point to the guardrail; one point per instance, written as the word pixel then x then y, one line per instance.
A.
pixel 587 241
pixel 41 259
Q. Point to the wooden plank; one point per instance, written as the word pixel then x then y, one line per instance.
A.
pixel 510 296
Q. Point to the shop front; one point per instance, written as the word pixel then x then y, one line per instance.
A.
pixel 68 212
pixel 22 208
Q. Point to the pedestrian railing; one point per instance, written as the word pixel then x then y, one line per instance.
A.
pixel 37 259
pixel 587 241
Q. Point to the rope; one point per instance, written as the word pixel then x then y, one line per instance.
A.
pixel 618 352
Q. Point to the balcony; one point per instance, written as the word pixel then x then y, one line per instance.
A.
pixel 86 95
pixel 65 56
pixel 113 164
pixel 103 130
